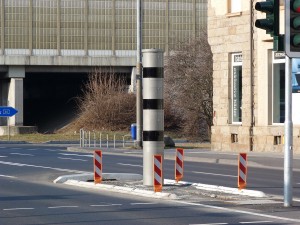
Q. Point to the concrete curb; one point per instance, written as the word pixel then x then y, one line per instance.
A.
pixel 227 190
pixel 81 181
pixel 106 176
pixel 119 189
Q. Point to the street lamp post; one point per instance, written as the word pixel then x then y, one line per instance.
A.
pixel 139 95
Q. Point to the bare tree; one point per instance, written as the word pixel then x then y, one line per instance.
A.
pixel 105 104
pixel 189 86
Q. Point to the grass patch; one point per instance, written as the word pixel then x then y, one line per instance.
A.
pixel 41 138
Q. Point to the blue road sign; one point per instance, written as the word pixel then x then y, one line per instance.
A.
pixel 7 111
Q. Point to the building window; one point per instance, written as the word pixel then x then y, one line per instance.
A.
pixel 236 87
pixel 234 6
pixel 279 89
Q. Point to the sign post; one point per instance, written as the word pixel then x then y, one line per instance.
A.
pixel 7 111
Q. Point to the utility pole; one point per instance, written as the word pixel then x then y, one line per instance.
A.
pixel 139 81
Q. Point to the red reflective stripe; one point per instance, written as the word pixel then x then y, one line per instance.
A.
pixel 179 162
pixel 98 164
pixel 157 170
pixel 243 169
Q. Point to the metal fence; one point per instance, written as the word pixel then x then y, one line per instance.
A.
pixel 95 139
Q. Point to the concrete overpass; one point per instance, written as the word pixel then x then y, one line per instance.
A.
pixel 57 38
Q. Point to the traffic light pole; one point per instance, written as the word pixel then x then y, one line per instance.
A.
pixel 288 130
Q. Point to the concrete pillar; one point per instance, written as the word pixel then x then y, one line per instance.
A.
pixel 15 93
pixel 4 83
pixel 132 88
pixel 153 110
pixel 15 99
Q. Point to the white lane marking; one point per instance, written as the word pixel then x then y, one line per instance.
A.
pixel 50 150
pixel 70 154
pixel 11 209
pixel 63 206
pixel 296 200
pixel 15 153
pixel 210 153
pixel 43 167
pixel 124 164
pixel 2 156
pixel 105 205
pixel 210 224
pixel 215 174
pixel 72 159
pixel 238 211
pixel 1 175
pixel 142 203
pixel 257 222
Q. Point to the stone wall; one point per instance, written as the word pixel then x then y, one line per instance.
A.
pixel 232 33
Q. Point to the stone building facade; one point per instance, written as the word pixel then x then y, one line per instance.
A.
pixel 248 81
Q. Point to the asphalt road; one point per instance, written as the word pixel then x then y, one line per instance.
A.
pixel 29 196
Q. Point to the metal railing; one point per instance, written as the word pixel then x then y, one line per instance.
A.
pixel 101 139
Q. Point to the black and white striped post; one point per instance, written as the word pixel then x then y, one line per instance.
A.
pixel 153 110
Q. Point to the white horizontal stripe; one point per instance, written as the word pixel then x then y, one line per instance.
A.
pixel 72 159
pixel 2 156
pixel 256 222
pixel 69 154
pixel 106 205
pixel 7 176
pixel 133 165
pixel 215 174
pixel 210 224
pixel 142 203
pixel 63 206
pixel 43 167
pixel 11 209
pixel 21 154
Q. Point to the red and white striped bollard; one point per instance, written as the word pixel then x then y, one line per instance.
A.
pixel 179 164
pixel 242 171
pixel 97 166
pixel 157 173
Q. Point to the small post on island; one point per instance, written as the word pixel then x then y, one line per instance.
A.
pixel 242 171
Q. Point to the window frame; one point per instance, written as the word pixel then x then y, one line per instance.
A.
pixel 234 63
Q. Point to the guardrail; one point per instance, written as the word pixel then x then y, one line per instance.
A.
pixel 101 139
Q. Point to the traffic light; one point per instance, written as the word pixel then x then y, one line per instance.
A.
pixel 292 28
pixel 271 22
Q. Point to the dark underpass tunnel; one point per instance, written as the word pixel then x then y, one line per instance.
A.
pixel 50 99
